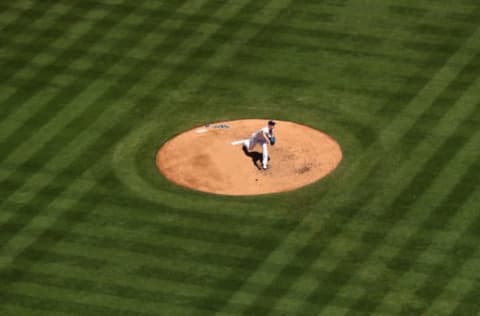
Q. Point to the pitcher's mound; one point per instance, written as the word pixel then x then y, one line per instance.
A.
pixel 210 158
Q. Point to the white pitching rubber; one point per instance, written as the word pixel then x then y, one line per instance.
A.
pixel 201 130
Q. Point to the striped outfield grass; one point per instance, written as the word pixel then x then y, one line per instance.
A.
pixel 90 91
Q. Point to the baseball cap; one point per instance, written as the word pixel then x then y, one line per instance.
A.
pixel 271 122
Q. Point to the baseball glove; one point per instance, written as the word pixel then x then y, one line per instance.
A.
pixel 272 140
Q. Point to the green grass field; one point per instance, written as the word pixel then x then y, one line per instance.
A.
pixel 91 89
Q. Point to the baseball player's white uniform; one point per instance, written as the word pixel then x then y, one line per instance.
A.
pixel 259 138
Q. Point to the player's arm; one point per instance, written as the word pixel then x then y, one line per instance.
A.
pixel 266 137
pixel 269 138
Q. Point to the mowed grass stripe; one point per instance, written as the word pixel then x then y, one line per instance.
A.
pixel 61 300
pixel 282 34
pixel 133 285
pixel 161 262
pixel 208 50
pixel 23 21
pixel 13 275
pixel 173 247
pixel 437 32
pixel 26 106
pixel 137 289
pixel 468 305
pixel 18 22
pixel 431 63
pixel 128 209
pixel 170 247
pixel 405 256
pixel 393 132
pixel 37 118
pixel 8 14
pixel 459 297
pixel 150 273
pixel 166 232
pixel 24 58
pixel 229 75
pixel 461 252
pixel 156 300
pixel 417 255
pixel 15 309
pixel 398 14
pixel 465 305
pixel 15 25
pixel 396 39
pixel 126 25
pixel 123 212
pixel 462 18
pixel 459 260
pixel 153 271
pixel 146 280
pixel 200 232
pixel 431 212
pixel 38 35
pixel 167 222
pixel 433 58
pixel 412 182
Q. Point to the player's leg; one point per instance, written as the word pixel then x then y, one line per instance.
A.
pixel 248 144
pixel 265 155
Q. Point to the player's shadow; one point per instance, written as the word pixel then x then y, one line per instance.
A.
pixel 255 156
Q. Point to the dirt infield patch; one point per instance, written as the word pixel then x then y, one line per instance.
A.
pixel 205 159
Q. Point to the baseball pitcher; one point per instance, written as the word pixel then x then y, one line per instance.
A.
pixel 262 137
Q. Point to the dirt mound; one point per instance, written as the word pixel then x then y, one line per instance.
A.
pixel 210 158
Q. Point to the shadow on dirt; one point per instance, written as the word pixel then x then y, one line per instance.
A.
pixel 255 156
